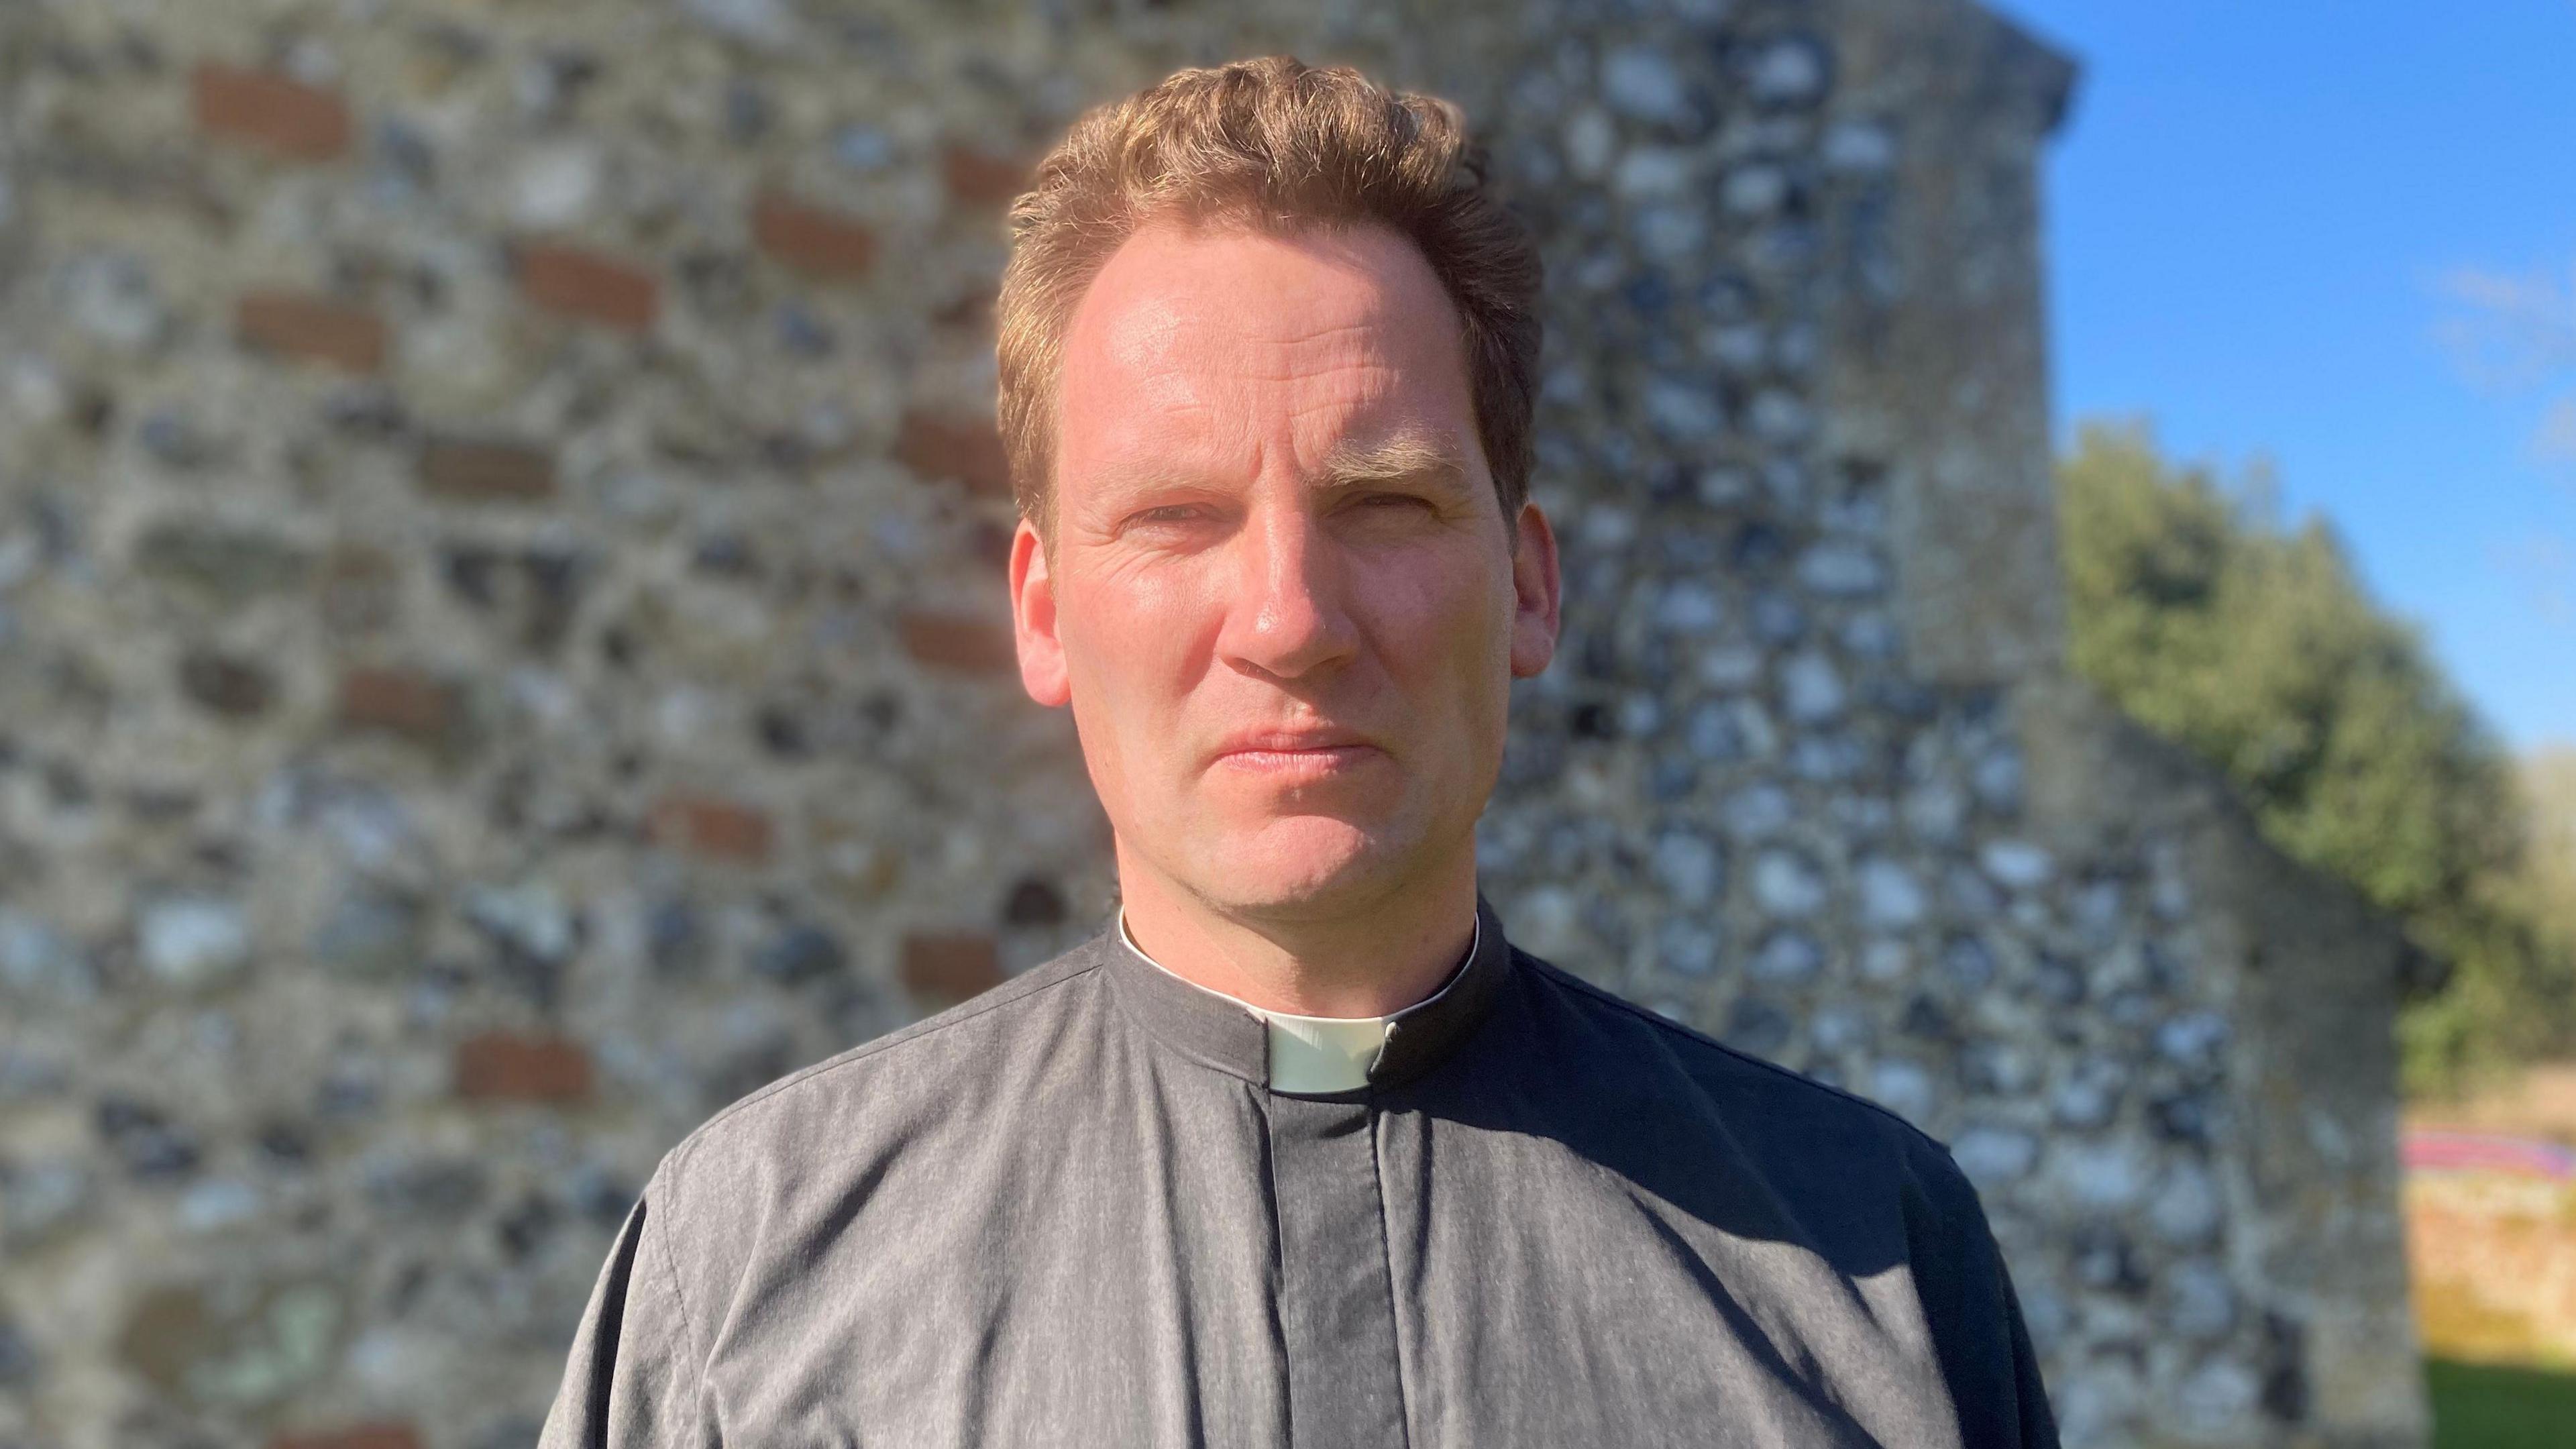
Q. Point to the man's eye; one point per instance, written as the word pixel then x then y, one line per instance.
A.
pixel 1400 500
pixel 1168 513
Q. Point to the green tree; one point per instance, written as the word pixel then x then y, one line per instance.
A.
pixel 2251 642
pixel 2545 890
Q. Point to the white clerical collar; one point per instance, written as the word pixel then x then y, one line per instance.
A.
pixel 1316 1053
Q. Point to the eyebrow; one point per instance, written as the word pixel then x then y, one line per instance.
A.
pixel 1349 465
pixel 1406 455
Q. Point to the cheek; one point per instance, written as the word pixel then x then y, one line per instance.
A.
pixel 1441 624
pixel 1129 640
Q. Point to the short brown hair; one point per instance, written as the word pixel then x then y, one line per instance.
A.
pixel 1274 145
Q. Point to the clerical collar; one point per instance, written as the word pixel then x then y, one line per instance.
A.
pixel 1316 1053
pixel 1310 1054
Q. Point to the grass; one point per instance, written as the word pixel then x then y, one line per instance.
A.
pixel 2496 1406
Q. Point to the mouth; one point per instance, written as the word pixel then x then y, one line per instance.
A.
pixel 1310 754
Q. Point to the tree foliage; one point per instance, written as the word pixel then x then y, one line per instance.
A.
pixel 2250 641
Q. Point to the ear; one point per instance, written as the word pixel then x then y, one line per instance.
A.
pixel 1042 671
pixel 1538 590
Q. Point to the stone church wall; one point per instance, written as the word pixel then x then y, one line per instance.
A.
pixel 502 651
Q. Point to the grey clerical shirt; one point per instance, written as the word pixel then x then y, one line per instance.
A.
pixel 1076 1211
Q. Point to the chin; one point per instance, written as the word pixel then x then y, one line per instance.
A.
pixel 1296 864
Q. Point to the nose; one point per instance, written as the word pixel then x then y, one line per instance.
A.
pixel 1288 617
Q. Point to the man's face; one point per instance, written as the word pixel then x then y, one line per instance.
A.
pixel 1282 599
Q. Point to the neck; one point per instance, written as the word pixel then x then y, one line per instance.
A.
pixel 1373 959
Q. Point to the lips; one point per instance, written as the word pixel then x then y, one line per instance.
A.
pixel 1293 751
pixel 1274 741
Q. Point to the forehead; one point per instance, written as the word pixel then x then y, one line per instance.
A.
pixel 1212 339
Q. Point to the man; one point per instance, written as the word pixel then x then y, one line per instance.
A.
pixel 1299 1149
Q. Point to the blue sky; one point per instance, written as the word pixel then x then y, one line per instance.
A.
pixel 2343 237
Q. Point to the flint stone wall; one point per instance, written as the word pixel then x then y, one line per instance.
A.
pixel 502 651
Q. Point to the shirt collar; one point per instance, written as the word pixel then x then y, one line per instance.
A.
pixel 1316 1053
pixel 1308 1054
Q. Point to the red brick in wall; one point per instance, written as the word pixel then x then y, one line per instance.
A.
pixel 814 240
pixel 711 826
pixel 469 471
pixel 968 450
pixel 588 286
pixel 270 112
pixel 980 179
pixel 506 1066
pixel 353 1436
pixel 296 324
pixel 957 641
pixel 941 968
pixel 418 707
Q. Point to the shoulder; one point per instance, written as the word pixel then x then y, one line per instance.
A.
pixel 1758 1102
pixel 889 1087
